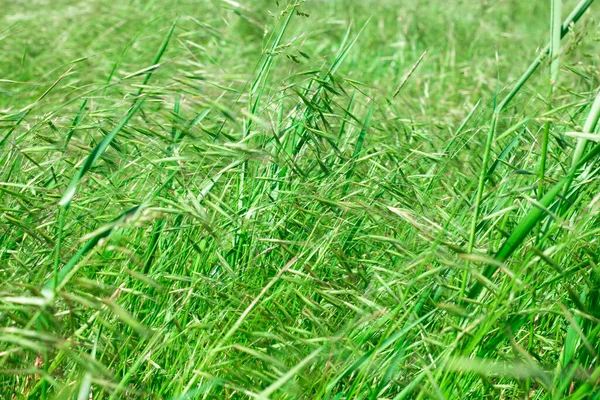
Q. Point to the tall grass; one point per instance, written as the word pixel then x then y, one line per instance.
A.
pixel 299 199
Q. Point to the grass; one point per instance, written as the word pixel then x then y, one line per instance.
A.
pixel 319 199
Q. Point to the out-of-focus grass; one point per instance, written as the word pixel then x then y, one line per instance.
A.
pixel 254 213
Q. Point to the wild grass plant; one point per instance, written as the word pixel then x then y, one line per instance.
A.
pixel 299 199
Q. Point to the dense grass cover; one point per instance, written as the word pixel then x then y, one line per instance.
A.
pixel 369 199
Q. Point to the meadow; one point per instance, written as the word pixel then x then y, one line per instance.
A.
pixel 320 199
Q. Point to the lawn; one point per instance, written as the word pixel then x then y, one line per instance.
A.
pixel 321 199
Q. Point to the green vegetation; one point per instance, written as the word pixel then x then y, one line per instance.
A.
pixel 369 199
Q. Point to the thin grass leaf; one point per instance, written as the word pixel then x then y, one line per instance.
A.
pixel 96 153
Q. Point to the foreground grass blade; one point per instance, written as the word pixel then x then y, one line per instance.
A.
pixel 588 128
pixel 65 201
pixel 157 57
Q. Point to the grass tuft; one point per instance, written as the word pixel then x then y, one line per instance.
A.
pixel 299 199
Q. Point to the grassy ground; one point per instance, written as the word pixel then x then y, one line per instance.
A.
pixel 322 199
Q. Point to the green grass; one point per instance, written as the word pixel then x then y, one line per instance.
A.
pixel 320 199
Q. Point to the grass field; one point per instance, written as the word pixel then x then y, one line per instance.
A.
pixel 369 199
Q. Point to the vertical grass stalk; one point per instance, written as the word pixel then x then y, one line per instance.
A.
pixel 555 18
